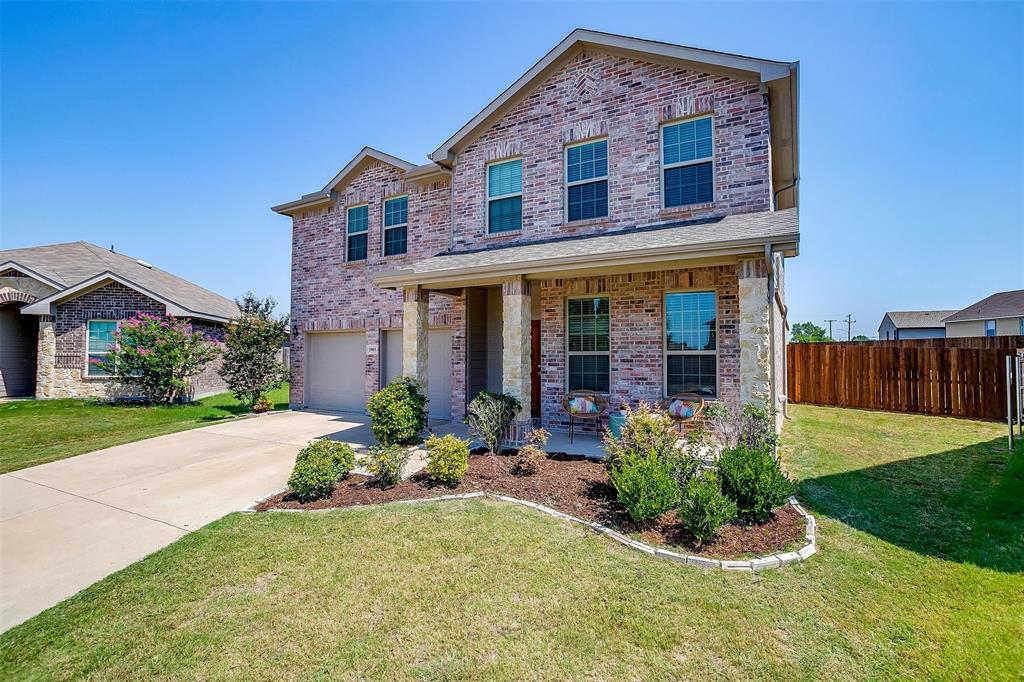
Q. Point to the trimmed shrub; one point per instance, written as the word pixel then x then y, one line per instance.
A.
pixel 263 404
pixel 751 426
pixel 644 484
pixel 489 416
pixel 644 430
pixel 386 462
pixel 318 467
pixel 703 508
pixel 398 412
pixel 533 453
pixel 447 458
pixel 754 480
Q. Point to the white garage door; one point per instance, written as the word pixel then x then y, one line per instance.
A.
pixel 439 368
pixel 336 371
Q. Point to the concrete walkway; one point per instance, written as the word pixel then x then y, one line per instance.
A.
pixel 66 524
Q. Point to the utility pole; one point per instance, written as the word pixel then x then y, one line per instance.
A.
pixel 831 338
pixel 849 326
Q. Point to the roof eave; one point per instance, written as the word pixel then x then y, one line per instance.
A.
pixel 788 244
pixel 306 202
pixel 15 265
pixel 48 305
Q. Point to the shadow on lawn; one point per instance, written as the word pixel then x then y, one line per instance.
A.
pixel 964 505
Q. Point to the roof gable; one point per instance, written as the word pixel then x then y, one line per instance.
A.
pixel 1002 304
pixel 747 68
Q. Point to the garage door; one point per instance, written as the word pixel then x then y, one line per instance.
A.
pixel 439 368
pixel 336 372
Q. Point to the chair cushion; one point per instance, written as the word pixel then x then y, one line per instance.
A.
pixel 682 409
pixel 582 405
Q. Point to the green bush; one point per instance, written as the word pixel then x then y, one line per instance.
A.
pixel 750 425
pixel 753 479
pixel 398 412
pixel 532 453
pixel 645 429
pixel 318 467
pixel 489 416
pixel 447 458
pixel 703 508
pixel 254 338
pixel 263 404
pixel 386 462
pixel 645 485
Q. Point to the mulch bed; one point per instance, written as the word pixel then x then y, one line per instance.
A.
pixel 572 485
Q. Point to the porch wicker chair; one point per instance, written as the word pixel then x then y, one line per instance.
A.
pixel 691 407
pixel 600 401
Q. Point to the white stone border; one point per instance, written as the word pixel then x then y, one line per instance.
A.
pixel 770 561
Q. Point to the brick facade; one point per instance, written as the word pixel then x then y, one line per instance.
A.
pixel 62 357
pixel 330 293
pixel 593 94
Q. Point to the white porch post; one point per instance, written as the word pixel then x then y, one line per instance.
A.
pixel 415 313
pixel 515 297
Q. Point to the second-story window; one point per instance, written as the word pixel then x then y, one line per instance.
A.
pixel 396 225
pixel 586 179
pixel 357 224
pixel 505 196
pixel 687 164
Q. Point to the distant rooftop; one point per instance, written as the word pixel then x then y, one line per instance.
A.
pixel 1003 304
pixel 918 319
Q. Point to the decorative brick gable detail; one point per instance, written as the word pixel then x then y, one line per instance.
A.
pixel 597 94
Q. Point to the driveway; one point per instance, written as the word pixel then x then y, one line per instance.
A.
pixel 66 524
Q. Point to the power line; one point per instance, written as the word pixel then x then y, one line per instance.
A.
pixel 830 329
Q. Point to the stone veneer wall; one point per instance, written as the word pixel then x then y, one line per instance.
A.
pixel 636 302
pixel 599 94
pixel 329 293
pixel 61 359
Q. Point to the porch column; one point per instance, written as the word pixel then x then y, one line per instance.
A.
pixel 755 342
pixel 415 314
pixel 46 358
pixel 515 364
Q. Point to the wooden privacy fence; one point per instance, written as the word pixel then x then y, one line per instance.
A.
pixel 963 377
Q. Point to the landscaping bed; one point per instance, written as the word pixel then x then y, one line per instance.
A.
pixel 569 484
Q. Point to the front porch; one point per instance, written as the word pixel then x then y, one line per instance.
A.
pixel 634 316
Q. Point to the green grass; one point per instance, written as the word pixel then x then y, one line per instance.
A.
pixel 38 431
pixel 920 574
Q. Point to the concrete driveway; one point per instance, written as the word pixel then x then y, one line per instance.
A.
pixel 65 525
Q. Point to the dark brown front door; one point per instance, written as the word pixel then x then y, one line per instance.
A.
pixel 535 369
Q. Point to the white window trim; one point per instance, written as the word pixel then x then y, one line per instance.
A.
pixel 665 352
pixel 88 323
pixel 366 232
pixel 489 198
pixel 995 328
pixel 568 184
pixel 385 227
pixel 607 353
pixel 693 162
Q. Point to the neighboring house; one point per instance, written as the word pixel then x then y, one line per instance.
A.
pixel 1000 314
pixel 616 220
pixel 60 305
pixel 913 324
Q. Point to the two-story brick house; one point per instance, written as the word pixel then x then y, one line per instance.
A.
pixel 617 220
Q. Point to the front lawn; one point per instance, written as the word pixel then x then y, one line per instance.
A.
pixel 38 431
pixel 920 574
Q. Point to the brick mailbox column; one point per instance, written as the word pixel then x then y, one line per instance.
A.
pixel 415 314
pixel 755 343
pixel 515 366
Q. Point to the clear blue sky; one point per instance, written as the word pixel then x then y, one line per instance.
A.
pixel 169 129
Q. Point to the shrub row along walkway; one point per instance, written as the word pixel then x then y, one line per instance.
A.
pixel 66 524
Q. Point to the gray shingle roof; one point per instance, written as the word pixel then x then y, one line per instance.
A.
pixel 1003 304
pixel 918 319
pixel 690 235
pixel 74 262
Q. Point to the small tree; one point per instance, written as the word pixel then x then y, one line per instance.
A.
pixel 251 368
pixel 808 332
pixel 159 354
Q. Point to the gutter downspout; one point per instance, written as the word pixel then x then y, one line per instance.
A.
pixel 771 325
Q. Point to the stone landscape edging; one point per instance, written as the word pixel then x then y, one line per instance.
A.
pixel 777 560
